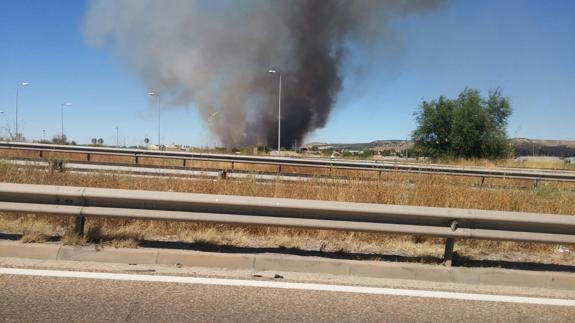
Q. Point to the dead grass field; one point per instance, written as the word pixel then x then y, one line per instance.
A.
pixel 512 163
pixel 116 159
pixel 15 153
pixel 392 188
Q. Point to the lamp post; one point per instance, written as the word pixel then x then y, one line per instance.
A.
pixel 272 71
pixel 22 84
pixel 63 105
pixel 154 94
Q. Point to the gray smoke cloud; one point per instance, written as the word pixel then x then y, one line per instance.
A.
pixel 216 54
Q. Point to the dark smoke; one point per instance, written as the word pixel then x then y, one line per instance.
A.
pixel 216 53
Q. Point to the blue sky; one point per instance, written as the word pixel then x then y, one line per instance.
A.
pixel 525 47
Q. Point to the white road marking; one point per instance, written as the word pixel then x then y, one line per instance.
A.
pixel 286 285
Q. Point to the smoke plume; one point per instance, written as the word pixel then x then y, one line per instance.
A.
pixel 216 54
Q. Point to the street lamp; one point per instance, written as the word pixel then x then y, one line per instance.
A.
pixel 272 71
pixel 22 84
pixel 154 94
pixel 63 105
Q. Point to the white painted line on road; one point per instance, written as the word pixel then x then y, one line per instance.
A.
pixel 286 285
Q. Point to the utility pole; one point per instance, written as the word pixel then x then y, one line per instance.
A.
pixel 22 84
pixel 154 94
pixel 279 108
pixel 407 149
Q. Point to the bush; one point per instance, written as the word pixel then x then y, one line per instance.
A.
pixel 469 126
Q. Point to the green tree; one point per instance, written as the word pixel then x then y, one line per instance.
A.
pixel 468 126
pixel 60 140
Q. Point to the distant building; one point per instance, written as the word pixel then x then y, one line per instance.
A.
pixel 172 147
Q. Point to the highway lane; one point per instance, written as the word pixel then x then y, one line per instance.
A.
pixel 159 172
pixel 36 298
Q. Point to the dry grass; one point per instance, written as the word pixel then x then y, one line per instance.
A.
pixel 15 153
pixel 112 159
pixel 33 237
pixel 393 188
pixel 73 239
pixel 512 163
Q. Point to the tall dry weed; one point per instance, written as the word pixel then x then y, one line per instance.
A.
pixel 391 188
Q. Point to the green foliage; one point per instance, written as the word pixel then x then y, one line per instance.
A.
pixel 326 152
pixel 263 149
pixel 62 140
pixel 366 153
pixel 469 126
pixel 347 154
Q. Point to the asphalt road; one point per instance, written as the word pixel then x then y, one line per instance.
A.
pixel 32 298
pixel 159 172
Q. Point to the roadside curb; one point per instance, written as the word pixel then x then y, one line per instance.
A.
pixel 290 263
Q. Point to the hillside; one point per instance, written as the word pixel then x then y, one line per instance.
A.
pixel 522 146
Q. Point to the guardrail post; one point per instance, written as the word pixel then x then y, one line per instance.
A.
pixel 41 154
pixel 136 159
pixel 232 166
pixel 448 253
pixel 279 168
pixel 79 225
pixel 184 163
pixel 536 183
pixel 482 181
pixel 88 156
pixel 223 174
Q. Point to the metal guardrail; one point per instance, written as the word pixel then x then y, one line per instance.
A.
pixel 303 162
pixel 448 223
